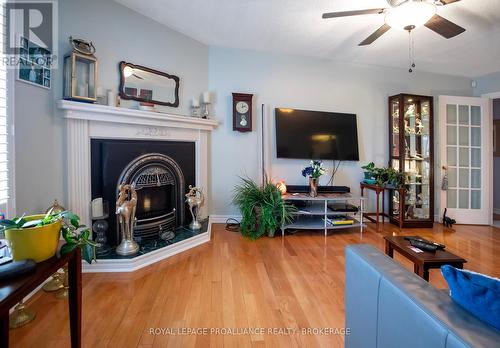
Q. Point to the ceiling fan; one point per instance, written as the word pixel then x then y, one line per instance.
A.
pixel 407 15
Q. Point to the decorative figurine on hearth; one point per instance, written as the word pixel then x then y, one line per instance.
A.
pixel 194 199
pixel 125 211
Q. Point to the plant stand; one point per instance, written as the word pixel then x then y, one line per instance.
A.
pixel 380 208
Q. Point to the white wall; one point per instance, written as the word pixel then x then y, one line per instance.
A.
pixel 118 34
pixel 307 83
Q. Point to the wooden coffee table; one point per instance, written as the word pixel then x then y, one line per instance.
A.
pixel 424 261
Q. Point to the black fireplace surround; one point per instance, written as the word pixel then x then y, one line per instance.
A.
pixel 161 171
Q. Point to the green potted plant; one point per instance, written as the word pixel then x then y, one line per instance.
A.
pixel 262 208
pixel 37 236
pixel 383 176
pixel 369 168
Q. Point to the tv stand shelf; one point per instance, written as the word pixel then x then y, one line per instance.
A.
pixel 315 214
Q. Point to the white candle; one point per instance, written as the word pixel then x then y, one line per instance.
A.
pixel 111 98
pixel 82 90
pixel 196 103
pixel 206 97
pixel 97 208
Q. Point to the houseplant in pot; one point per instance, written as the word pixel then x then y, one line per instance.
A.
pixel 369 171
pixel 37 236
pixel 262 208
pixel 383 176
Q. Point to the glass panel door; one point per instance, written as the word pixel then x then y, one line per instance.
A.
pixel 463 155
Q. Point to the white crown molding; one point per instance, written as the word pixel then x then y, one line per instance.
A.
pixel 104 113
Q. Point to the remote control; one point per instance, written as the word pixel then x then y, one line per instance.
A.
pixel 422 245
pixel 439 246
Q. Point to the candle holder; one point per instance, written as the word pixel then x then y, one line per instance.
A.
pixel 206 108
pixel 195 111
pixel 55 284
pixel 100 226
pixel 21 316
pixel 64 291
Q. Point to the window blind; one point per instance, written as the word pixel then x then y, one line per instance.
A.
pixel 4 164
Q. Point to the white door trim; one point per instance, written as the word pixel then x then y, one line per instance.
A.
pixel 491 96
pixel 487 156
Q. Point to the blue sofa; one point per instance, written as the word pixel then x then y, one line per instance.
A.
pixel 388 306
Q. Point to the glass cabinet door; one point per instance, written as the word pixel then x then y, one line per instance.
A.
pixel 395 149
pixel 417 162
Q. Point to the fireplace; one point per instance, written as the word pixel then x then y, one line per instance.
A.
pixel 102 141
pixel 160 171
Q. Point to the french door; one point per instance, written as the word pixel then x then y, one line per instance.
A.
pixel 466 158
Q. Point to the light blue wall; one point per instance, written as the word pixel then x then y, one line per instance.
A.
pixel 118 34
pixel 487 84
pixel 306 83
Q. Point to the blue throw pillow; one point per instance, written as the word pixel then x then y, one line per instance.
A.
pixel 477 293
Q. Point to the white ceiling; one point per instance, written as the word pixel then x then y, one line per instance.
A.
pixel 296 27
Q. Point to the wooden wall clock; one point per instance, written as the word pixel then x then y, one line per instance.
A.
pixel 242 112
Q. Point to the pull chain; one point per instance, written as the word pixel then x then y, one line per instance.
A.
pixel 411 51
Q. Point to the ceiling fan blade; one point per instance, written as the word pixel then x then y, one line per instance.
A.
pixel 447 2
pixel 444 27
pixel 353 13
pixel 378 33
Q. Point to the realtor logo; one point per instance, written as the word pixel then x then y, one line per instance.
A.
pixel 31 32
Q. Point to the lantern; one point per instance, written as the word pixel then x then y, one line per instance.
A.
pixel 80 72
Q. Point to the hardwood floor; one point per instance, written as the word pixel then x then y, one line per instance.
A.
pixel 232 282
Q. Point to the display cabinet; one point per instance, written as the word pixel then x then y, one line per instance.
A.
pixel 411 144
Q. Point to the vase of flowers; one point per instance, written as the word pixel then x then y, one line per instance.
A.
pixel 313 171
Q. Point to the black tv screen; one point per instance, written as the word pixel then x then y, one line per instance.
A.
pixel 321 135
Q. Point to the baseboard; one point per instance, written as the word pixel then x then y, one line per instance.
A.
pixel 133 264
pixel 32 293
pixel 221 219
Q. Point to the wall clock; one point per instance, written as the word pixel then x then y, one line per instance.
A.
pixel 242 112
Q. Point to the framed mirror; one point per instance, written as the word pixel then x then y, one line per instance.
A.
pixel 148 86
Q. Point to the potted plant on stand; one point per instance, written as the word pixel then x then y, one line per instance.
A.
pixel 314 172
pixel 262 208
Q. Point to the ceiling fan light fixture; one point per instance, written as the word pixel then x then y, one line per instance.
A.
pixel 410 14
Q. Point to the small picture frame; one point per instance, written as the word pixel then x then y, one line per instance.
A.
pixel 34 64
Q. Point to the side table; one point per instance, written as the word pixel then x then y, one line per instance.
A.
pixel 14 290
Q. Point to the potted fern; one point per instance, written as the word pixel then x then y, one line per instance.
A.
pixel 262 208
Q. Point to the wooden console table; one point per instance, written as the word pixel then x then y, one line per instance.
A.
pixel 14 290
pixel 379 212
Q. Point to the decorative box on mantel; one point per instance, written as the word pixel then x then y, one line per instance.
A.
pixel 85 122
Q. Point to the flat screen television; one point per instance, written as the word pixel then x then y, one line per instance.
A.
pixel 321 135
